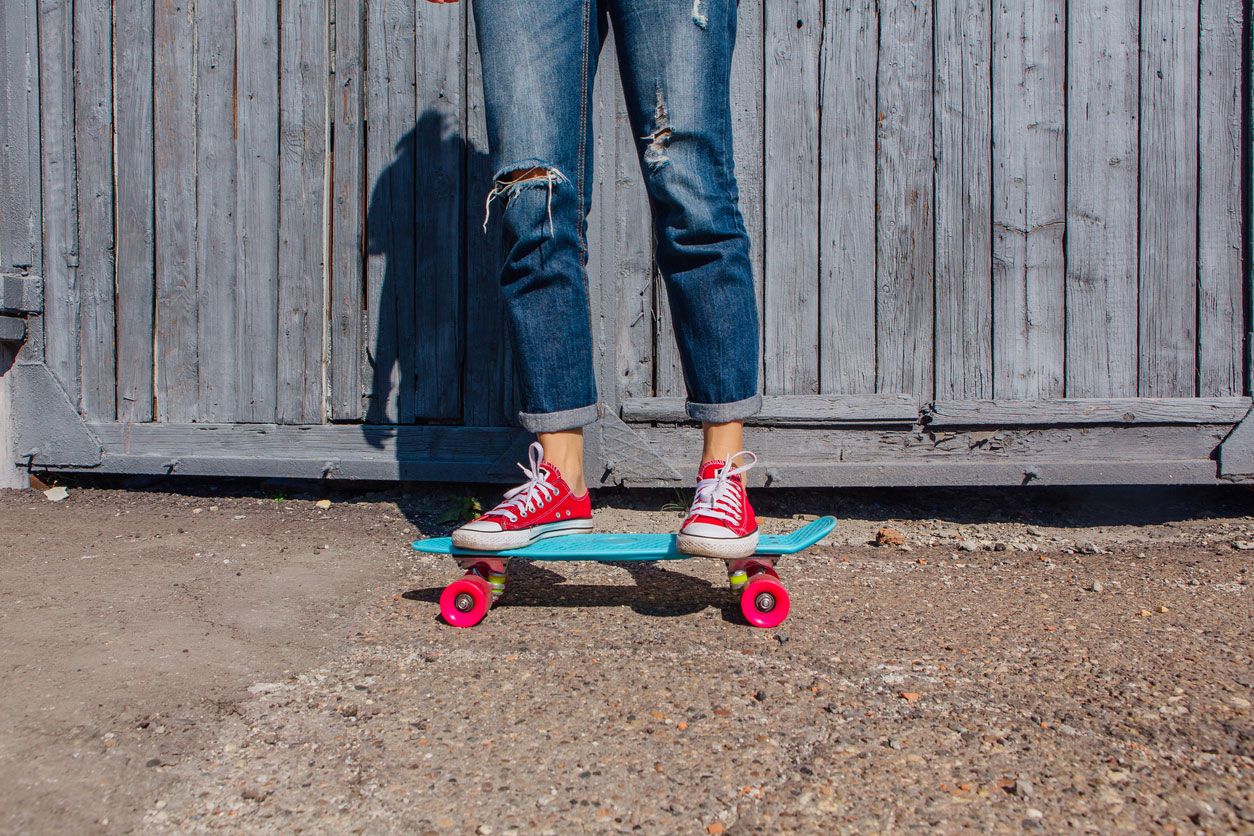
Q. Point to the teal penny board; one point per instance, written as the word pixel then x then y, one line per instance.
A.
pixel 604 547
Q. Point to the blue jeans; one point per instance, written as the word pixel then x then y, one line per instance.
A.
pixel 539 58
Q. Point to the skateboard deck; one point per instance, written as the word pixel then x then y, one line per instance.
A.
pixel 763 599
pixel 626 547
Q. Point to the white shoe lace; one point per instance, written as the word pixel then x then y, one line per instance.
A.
pixel 716 497
pixel 531 494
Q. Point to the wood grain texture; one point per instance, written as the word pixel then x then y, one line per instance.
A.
pixel 791 409
pixel 1029 197
pixel 11 476
pixel 257 211
pixel 216 182
pixel 434 336
pixel 962 99
pixel 604 295
pixel 1087 411
pixel 1102 166
pixel 59 183
pixel 135 268
pixel 93 140
pixel 304 67
pixel 1168 199
pixel 1220 288
pixel 904 195
pixel 849 58
pixel 348 214
pixel 794 30
pixel 20 231
pixel 748 104
pixel 177 376
pixel 391 149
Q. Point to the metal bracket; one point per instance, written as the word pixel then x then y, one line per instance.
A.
pixel 21 294
pixel 1236 451
pixel 49 430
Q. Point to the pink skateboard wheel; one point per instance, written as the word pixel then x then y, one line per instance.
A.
pixel 764 601
pixel 465 601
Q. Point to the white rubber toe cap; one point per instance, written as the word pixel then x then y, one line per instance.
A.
pixel 482 527
pixel 713 532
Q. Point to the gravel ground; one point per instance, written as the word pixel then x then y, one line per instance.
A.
pixel 232 656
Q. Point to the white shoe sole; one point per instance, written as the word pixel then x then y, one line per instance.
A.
pixel 495 541
pixel 727 548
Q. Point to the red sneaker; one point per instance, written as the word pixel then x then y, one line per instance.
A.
pixel 541 507
pixel 721 522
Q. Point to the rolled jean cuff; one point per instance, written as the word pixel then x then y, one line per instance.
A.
pixel 566 419
pixel 718 413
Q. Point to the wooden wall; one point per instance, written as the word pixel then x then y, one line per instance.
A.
pixel 270 213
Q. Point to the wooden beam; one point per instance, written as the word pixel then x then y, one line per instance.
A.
pixel 11 475
pixel 1236 453
pixel 20 293
pixel 1054 412
pixel 791 409
pixel 12 329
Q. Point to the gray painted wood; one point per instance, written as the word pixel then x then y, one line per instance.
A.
pixel 1029 198
pixel 11 476
pixel 304 67
pixel 604 292
pixel 348 190
pixel 257 211
pixel 391 165
pixel 848 64
pixel 1102 165
pixel 434 338
pixel 12 329
pixel 748 104
pixel 791 409
pixel 216 199
pixel 1220 288
pixel 1236 453
pixel 19 152
pixel 1168 206
pixel 794 30
pixel 21 293
pixel 963 154
pixel 135 269
pixel 58 181
pixel 904 196
pixel 176 361
pixel 1087 411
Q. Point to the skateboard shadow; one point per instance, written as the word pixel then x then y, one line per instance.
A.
pixel 657 592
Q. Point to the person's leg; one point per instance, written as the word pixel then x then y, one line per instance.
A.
pixel 675 59
pixel 539 59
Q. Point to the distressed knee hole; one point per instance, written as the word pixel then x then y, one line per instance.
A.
pixel 655 152
pixel 699 16
pixel 511 180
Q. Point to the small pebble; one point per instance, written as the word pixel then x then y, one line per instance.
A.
pixel 1097 586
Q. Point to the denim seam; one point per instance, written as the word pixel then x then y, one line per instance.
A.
pixel 562 419
pixel 729 411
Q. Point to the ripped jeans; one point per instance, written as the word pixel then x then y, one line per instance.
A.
pixel 539 58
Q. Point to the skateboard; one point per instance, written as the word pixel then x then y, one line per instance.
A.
pixel 763 598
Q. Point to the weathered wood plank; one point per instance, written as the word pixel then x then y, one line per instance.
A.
pixel 174 107
pixel 59 183
pixel 963 153
pixel 1029 199
pixel 748 104
pixel 257 210
pixel 135 269
pixel 791 409
pixel 20 231
pixel 348 189
pixel 849 60
pixel 604 294
pixel 304 65
pixel 904 196
pixel 1102 166
pixel 490 393
pixel 1220 291
pixel 216 180
pixel 434 338
pixel 93 141
pixel 668 371
pixel 21 293
pixel 794 31
pixel 1168 199
pixel 1087 411
pixel 391 167
pixel 12 329
pixel 11 476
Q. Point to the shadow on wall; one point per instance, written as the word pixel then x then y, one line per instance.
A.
pixel 424 243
